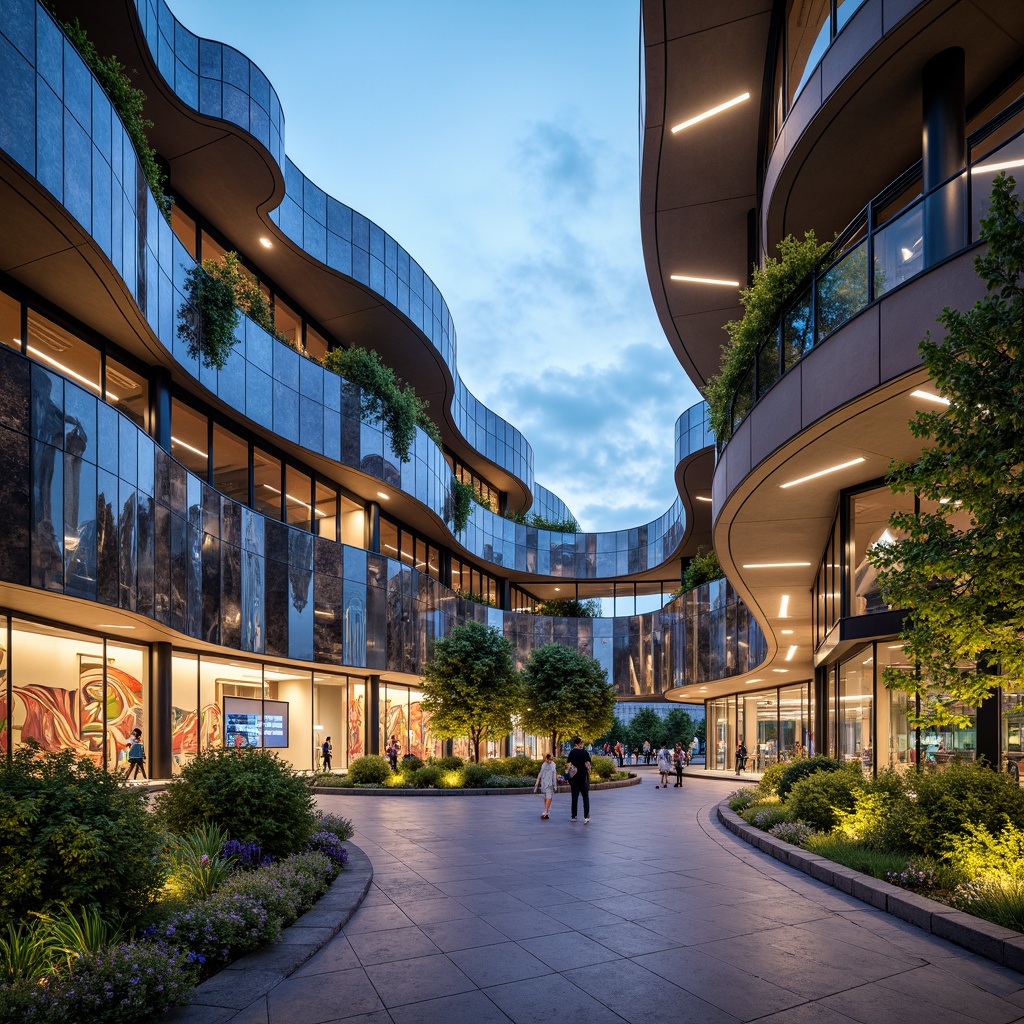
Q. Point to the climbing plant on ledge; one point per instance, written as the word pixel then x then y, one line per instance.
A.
pixel 773 285
pixel 128 102
pixel 462 502
pixel 384 398
pixel 539 522
pixel 207 318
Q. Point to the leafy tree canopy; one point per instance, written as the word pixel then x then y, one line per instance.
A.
pixel 957 564
pixel 565 693
pixel 470 685
pixel 679 727
pixel 570 608
pixel 646 724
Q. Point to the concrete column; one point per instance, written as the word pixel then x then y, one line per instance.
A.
pixel 944 153
pixel 159 724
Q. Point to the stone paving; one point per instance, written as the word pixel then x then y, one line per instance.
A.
pixel 480 913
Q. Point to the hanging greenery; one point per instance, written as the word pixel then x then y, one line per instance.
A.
pixel 248 296
pixel 384 398
pixel 128 102
pixel 462 502
pixel 208 317
pixel 773 285
pixel 541 523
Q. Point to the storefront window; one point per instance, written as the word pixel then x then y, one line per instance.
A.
pixel 230 464
pixel 902 747
pixel 190 443
pixel 796 738
pixel 1012 717
pixel 869 525
pixel 128 392
pixel 856 709
pixel 329 712
pixel 721 730
pixel 353 523
pixel 184 710
pixel 356 719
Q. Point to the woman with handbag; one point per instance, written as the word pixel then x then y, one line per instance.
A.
pixel 577 771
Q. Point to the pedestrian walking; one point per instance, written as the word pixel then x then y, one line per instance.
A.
pixel 392 753
pixel 647 751
pixel 547 783
pixel 577 771
pixel 136 756
pixel 326 750
pixel 664 765
pixel 741 756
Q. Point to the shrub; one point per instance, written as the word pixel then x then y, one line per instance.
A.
pixel 429 776
pixel 245 855
pixel 765 818
pixel 232 922
pixel 329 845
pixel 72 834
pixel 913 876
pixel 130 981
pixel 207 318
pixel 602 768
pixel 475 775
pixel 962 794
pixel 515 766
pixel 795 832
pixel 447 763
pixel 855 855
pixel 341 827
pixel 410 763
pixel 796 770
pixel 305 877
pixel 265 888
pixel 818 798
pixel 509 781
pixel 368 769
pixel 743 798
pixel 770 778
pixel 197 864
pixel 251 794
pixel 977 853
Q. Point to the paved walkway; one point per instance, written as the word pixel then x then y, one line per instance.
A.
pixel 481 913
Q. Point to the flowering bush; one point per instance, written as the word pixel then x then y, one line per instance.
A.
pixel 246 855
pixel 999 899
pixel 266 890
pixel 123 983
pixel 913 876
pixel 796 832
pixel 223 928
pixel 341 827
pixel 305 877
pixel 743 798
pixel 767 817
pixel 330 846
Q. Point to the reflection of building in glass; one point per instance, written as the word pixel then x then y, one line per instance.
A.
pixel 249 534
pixel 884 135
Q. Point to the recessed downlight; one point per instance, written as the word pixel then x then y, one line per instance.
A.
pixel 381 494
pixel 266 242
pixel 697 118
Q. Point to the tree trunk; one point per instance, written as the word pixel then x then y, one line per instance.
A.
pixel 554 744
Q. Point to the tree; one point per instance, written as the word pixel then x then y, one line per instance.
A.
pixel 470 685
pixel 566 693
pixel 615 733
pixel 646 724
pixel 679 727
pixel 957 563
pixel 701 732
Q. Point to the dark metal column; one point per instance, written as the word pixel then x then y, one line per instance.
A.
pixel 160 406
pixel 988 729
pixel 944 153
pixel 373 527
pixel 159 724
pixel 373 714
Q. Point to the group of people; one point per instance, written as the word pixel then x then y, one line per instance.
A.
pixel 672 761
pixel 623 755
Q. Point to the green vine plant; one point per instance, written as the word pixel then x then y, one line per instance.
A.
pixel 207 318
pixel 383 397
pixel 539 522
pixel 476 598
pixel 772 287
pixel 128 102
pixel 462 502
pixel 248 296
pixel 704 567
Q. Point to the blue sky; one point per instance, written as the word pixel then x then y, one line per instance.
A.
pixel 497 141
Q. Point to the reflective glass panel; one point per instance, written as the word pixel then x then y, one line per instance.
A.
pixel 230 464
pixel 189 438
pixel 184 227
pixel 266 478
pixel 326 510
pixel 808 33
pixel 10 321
pixel 62 351
pixel 184 709
pixel 869 525
pixel 298 498
pixel 288 323
pixel 856 709
pixel 353 523
pixel 128 392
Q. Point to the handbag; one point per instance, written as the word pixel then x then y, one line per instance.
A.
pixel 570 769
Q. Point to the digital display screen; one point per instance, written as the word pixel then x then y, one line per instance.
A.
pixel 250 722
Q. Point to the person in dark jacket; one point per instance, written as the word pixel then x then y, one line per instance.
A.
pixel 579 781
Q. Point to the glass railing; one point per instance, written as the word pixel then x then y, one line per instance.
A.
pixel 869 260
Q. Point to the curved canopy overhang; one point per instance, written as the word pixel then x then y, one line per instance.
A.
pixel 698 185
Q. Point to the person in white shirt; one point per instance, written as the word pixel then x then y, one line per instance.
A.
pixel 664 765
pixel 547 783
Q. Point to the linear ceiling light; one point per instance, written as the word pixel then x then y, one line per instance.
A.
pixel 791 652
pixel 988 168
pixel 823 472
pixel 191 448
pixel 710 113
pixel 786 632
pixel 699 498
pixel 705 280
pixel 776 565
pixel 929 397
pixel 784 607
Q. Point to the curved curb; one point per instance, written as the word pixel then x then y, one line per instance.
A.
pixel 1003 945
pixel 248 979
pixel 508 791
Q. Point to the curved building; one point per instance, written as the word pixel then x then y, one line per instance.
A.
pixel 881 125
pixel 238 555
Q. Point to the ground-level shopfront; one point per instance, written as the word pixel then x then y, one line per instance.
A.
pixel 75 690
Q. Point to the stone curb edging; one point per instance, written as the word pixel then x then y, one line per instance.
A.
pixel 510 791
pixel 241 983
pixel 992 941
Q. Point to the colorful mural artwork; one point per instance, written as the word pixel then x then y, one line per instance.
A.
pixel 355 726
pixel 192 731
pixel 58 718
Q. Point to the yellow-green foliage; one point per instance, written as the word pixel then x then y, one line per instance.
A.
pixel 769 784
pixel 977 853
pixel 821 798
